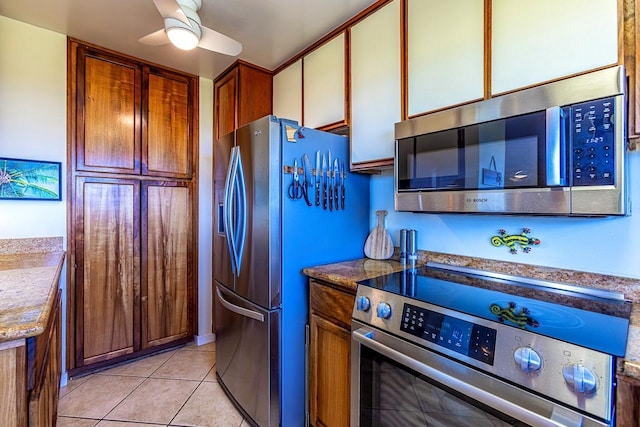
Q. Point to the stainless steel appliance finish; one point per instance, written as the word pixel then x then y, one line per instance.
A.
pixel 562 187
pixel 261 298
pixel 510 363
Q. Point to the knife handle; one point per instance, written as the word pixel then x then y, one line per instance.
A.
pixel 324 196
pixel 342 196
pixel 336 196
pixel 317 192
pixel 330 197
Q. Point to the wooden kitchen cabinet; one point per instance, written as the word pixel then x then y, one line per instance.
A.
pixel 167 255
pixel 445 54
pixel 109 96
pixel 287 92
pixel 132 229
pixel 166 140
pixel 108 269
pixel 134 255
pixel 627 401
pixel 375 87
pixel 579 36
pixel 133 119
pixel 324 85
pixel 329 354
pixel 242 94
pixel 631 36
pixel 30 372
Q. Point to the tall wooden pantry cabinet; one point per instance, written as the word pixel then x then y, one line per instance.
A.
pixel 132 182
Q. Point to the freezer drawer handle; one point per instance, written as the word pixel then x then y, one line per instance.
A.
pixel 239 310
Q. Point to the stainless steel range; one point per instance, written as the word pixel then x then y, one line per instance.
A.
pixel 452 346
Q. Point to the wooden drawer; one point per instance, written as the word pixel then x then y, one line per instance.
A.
pixel 331 303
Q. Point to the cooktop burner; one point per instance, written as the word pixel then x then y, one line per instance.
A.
pixel 587 317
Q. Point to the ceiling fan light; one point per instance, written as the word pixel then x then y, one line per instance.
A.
pixel 182 38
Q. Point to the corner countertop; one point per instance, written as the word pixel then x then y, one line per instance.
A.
pixel 28 288
pixel 348 273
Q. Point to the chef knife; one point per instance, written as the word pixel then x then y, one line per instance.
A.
pixel 318 177
pixel 336 182
pixel 306 168
pixel 324 182
pixel 329 183
pixel 343 176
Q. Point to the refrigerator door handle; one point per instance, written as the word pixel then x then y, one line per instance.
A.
pixel 228 210
pixel 242 210
pixel 237 309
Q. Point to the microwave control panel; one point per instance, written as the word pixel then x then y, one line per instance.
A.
pixel 593 142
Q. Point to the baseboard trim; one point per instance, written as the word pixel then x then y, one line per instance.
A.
pixel 204 339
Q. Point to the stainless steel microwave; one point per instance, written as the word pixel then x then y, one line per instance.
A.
pixel 554 149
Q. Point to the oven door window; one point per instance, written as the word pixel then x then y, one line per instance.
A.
pixel 505 153
pixel 394 395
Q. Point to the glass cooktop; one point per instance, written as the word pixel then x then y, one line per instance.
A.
pixel 586 319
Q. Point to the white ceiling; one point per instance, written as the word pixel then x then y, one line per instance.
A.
pixel 271 31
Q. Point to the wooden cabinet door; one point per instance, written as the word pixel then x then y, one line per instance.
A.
pixel 571 36
pixel 445 53
pixel 225 101
pixel 330 371
pixel 168 260
pixel 167 149
pixel 43 400
pixel 107 278
pixel 375 85
pixel 108 113
pixel 255 94
pixel 324 79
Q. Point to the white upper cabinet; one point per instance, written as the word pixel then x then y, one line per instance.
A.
pixel 445 53
pixel 324 84
pixel 375 84
pixel 537 41
pixel 287 92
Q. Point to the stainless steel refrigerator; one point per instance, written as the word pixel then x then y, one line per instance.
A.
pixel 270 223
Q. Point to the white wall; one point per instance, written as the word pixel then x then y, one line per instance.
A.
pixel 205 209
pixel 33 120
pixel 598 245
pixel 33 125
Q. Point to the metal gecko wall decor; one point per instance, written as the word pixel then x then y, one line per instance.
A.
pixel 514 240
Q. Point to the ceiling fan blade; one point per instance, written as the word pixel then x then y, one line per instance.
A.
pixel 218 42
pixel 171 9
pixel 156 38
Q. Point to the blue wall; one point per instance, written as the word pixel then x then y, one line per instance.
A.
pixel 599 245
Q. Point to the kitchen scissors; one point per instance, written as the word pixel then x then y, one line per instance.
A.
pixel 295 190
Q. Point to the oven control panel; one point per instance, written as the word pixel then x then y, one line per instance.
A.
pixel 467 338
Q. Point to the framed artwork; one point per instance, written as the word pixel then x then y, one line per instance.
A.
pixel 30 179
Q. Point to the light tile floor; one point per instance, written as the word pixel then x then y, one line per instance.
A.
pixel 174 388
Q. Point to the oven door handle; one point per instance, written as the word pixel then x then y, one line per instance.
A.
pixel 366 337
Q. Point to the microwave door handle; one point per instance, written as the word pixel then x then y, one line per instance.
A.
pixel 555 147
pixel 366 337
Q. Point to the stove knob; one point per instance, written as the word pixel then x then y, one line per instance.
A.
pixel 363 303
pixel 384 310
pixel 528 359
pixel 580 379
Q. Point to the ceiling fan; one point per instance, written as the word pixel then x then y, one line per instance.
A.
pixel 182 28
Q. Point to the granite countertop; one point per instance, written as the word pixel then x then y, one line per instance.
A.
pixel 348 273
pixel 28 288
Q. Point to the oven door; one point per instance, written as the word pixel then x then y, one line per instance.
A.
pixel 394 382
